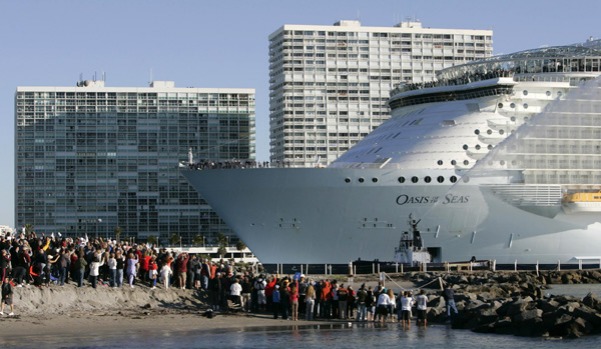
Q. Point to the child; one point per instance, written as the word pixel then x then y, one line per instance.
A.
pixel 7 297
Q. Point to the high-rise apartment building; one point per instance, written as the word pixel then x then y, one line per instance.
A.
pixel 90 158
pixel 329 84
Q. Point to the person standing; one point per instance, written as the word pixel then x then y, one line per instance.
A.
pixel 449 297
pixel 132 261
pixel 361 303
pixel 236 292
pixel 259 286
pixel 276 301
pixel 80 268
pixel 7 296
pixel 309 302
pixel 95 270
pixel 422 307
pixel 382 306
pixel 406 305
pixel 294 295
pixel 112 264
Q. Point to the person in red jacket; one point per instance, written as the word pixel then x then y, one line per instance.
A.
pixel 182 269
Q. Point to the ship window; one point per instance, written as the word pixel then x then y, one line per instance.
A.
pixel 500 105
pixel 502 162
pixel 427 179
pixel 512 105
pixel 414 179
pixel 465 147
pixel 489 132
pixel 348 180
pixel 525 105
pixel 439 162
pixel 548 93
pixel 453 179
pixel 401 179
pixel 478 147
pixel 501 132
pixel 375 180
pixel 453 162
pixel 361 180
pixel 489 147
pixel 512 118
pixel 477 132
pixel 440 179
pixel 525 92
pixel 559 93
pixel 465 162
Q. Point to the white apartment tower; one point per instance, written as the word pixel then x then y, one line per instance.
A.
pixel 329 85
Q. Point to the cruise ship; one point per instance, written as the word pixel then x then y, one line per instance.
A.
pixel 498 159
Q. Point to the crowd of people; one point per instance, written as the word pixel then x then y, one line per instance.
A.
pixel 42 261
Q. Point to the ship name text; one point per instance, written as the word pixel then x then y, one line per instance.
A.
pixel 447 199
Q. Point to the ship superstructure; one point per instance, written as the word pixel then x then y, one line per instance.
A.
pixel 485 158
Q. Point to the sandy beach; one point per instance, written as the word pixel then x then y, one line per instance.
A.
pixel 71 311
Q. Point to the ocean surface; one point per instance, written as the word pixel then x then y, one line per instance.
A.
pixel 344 335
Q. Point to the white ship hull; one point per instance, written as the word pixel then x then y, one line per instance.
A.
pixel 466 158
pixel 313 216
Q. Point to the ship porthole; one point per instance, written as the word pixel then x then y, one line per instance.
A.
pixel 477 132
pixel 453 179
pixel 559 93
pixel 453 162
pixel 525 92
pixel 401 179
pixel 440 179
pixel 525 105
pixel 348 180
pixel 512 105
pixel 465 147
pixel 439 162
pixel 465 162
pixel 427 179
pixel 414 179
pixel 361 180
pixel 375 180
pixel 500 105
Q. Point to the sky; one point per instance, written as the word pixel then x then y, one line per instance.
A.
pixel 224 43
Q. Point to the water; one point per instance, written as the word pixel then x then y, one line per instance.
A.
pixel 346 335
pixel 315 336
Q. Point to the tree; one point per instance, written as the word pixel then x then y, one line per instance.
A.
pixel 153 240
pixel 222 241
pixel 199 240
pixel 240 245
pixel 174 239
pixel 28 229
pixel 118 232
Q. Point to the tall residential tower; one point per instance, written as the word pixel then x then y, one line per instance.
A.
pixel 329 84
pixel 90 158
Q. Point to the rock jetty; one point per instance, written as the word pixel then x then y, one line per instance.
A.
pixel 517 303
